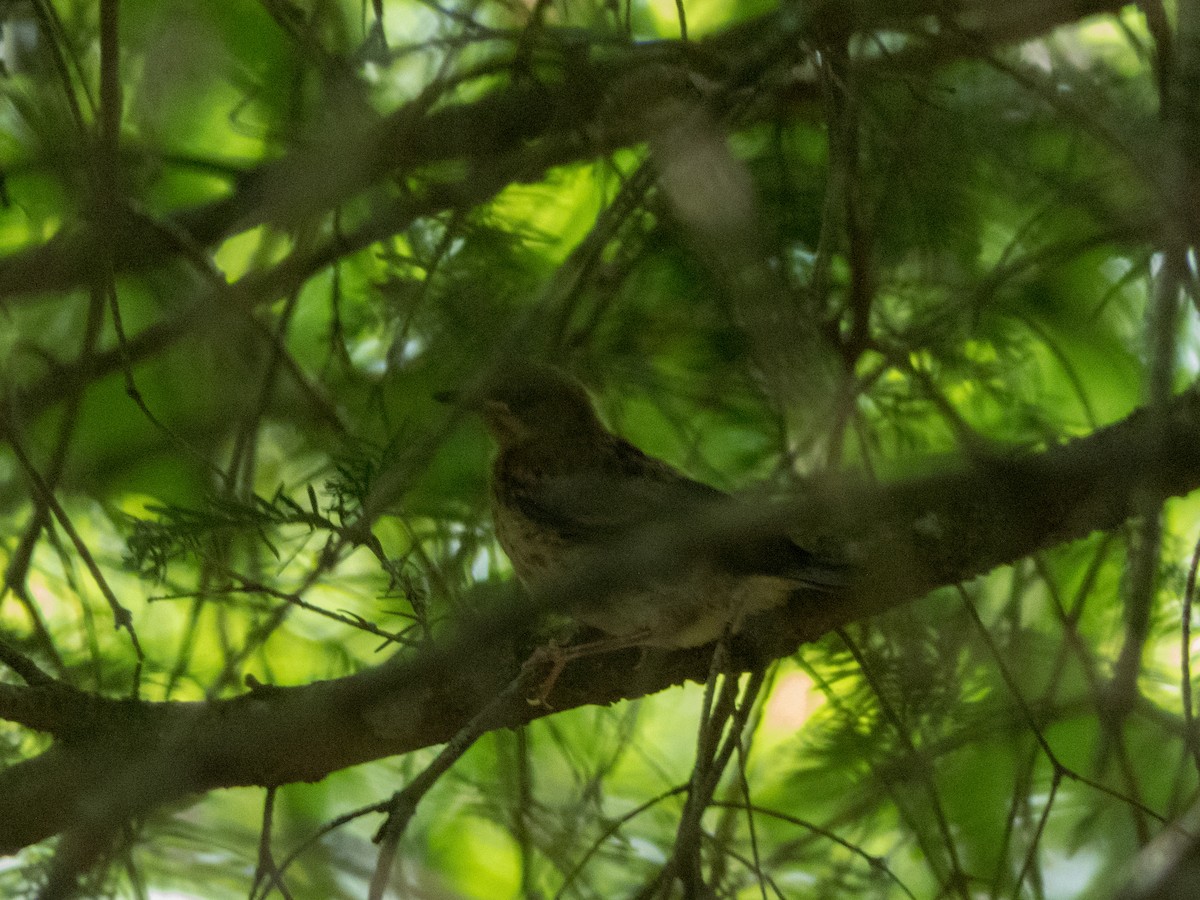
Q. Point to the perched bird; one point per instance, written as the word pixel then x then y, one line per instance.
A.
pixel 564 487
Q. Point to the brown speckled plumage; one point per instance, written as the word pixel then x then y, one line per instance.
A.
pixel 563 486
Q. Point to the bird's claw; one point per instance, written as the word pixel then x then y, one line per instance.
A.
pixel 553 656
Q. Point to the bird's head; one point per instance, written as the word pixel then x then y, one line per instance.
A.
pixel 527 403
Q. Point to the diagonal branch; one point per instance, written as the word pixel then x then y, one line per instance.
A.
pixel 117 758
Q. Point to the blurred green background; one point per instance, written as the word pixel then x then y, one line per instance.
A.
pixel 810 238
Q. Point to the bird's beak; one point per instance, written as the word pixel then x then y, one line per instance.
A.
pixel 486 406
pixel 495 413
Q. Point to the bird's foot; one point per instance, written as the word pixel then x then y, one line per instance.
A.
pixel 554 658
pixel 608 644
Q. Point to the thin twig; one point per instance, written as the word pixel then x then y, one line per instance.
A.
pixel 29 671
pixel 957 876
pixel 121 616
pixel 403 804
pixel 1185 679
pixel 265 867
pixel 1011 683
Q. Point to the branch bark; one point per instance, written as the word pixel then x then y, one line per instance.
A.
pixel 113 759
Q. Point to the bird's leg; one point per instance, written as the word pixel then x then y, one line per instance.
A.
pixel 550 654
pixel 557 658
pixel 608 644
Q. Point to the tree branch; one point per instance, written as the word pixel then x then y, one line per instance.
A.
pixel 118 758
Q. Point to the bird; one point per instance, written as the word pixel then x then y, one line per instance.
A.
pixel 564 488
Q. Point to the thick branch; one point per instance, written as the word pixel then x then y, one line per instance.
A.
pixel 117 758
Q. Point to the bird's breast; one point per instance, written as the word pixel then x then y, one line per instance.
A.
pixel 685 607
pixel 536 551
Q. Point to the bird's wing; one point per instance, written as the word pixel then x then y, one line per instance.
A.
pixel 634 490
pixel 778 555
pixel 598 506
